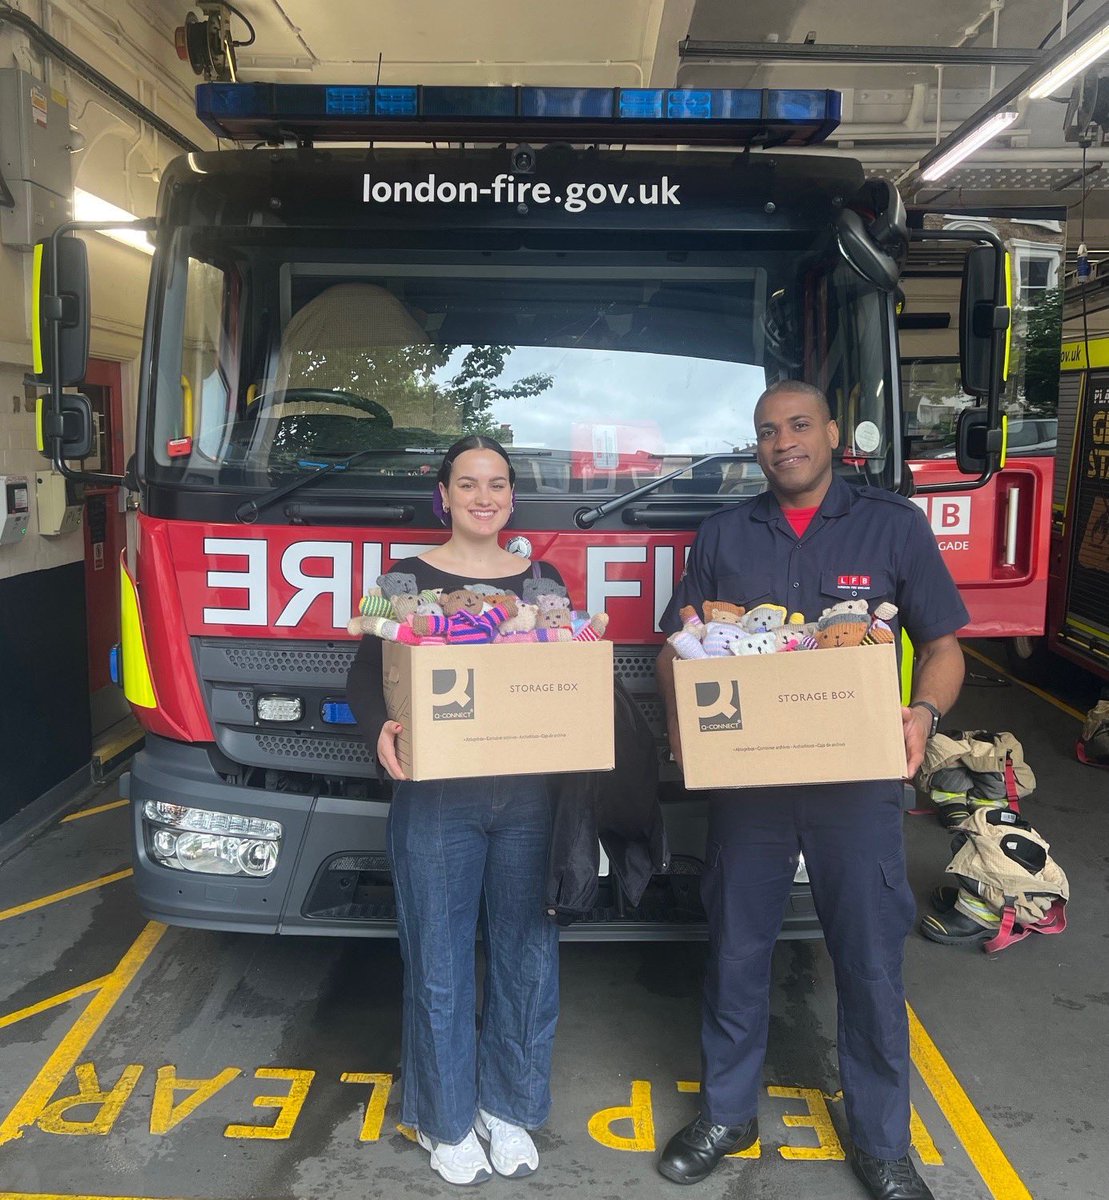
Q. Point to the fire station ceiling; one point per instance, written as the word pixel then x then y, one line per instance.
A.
pixel 906 82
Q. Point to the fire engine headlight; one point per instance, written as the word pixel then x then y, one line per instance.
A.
pixel 205 820
pixel 211 843
pixel 279 708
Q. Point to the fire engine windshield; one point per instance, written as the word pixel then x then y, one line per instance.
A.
pixel 599 370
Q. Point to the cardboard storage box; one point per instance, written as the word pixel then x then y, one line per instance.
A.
pixel 501 709
pixel 811 716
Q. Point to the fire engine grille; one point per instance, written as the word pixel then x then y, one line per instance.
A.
pixel 267 660
pixel 234 671
pixel 331 750
pixel 635 665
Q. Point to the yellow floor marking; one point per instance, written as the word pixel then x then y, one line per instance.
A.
pixel 51 1002
pixel 43 901
pixel 922 1140
pixel 1028 687
pixel 91 812
pixel 996 1170
pixel 73 1196
pixel 29 1107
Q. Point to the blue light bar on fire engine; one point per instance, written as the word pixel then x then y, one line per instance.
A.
pixel 305 113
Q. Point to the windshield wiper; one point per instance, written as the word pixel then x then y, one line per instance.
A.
pixel 587 517
pixel 248 511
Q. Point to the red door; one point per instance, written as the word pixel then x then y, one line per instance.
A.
pixel 105 534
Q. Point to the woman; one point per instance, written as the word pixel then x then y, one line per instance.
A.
pixel 460 850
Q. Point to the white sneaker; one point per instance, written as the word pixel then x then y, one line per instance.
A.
pixel 511 1149
pixel 464 1163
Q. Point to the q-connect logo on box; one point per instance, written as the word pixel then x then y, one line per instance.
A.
pixel 452 695
pixel 718 705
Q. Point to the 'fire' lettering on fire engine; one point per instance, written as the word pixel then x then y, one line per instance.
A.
pixel 337 584
pixel 252 581
pixel 316 583
pixel 598 586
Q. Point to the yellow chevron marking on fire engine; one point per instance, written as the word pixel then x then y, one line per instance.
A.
pixel 1028 687
pixel 91 812
pixel 981 1146
pixel 51 1002
pixel 54 897
pixel 31 1105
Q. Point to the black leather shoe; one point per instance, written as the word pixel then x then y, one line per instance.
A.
pixel 693 1152
pixel 889 1179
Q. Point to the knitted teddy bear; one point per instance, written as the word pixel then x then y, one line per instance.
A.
pixel 401 590
pixel 534 588
pixel 557 624
pixel 763 618
pixel 522 622
pixel 844 624
pixel 756 643
pixel 718 639
pixel 880 632
pixel 796 636
pixel 721 610
pixel 463 620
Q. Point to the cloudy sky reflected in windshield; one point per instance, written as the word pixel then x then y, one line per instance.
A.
pixel 669 404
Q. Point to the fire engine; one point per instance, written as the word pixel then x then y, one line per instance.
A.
pixel 1076 624
pixel 542 264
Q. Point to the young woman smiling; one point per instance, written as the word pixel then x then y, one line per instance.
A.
pixel 463 851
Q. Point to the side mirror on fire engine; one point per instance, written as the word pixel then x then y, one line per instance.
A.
pixel 65 311
pixel 76 426
pixel 975 442
pixel 981 318
pixel 872 234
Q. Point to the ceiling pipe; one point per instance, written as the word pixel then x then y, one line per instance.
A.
pixel 1045 61
pixel 699 50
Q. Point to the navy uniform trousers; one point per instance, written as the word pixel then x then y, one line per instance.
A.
pixel 851 837
pixel 863 544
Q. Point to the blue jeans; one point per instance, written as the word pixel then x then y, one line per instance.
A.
pixel 463 850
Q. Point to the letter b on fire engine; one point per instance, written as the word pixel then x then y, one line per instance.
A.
pixel 948 515
pixel 718 705
pixel 452 695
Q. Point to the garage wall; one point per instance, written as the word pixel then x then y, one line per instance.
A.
pixel 43 643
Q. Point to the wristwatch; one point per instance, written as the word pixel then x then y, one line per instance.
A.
pixel 933 710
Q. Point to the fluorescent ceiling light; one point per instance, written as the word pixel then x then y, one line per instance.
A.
pixel 967 145
pixel 87 207
pixel 1089 52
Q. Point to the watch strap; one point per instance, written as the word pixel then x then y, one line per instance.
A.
pixel 933 710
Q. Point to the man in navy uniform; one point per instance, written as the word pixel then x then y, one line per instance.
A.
pixel 810 540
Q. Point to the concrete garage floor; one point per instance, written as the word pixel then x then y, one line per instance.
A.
pixel 137 1061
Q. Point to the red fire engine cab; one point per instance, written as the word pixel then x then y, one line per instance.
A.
pixel 535 263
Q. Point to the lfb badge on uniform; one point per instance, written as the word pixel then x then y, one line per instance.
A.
pixel 718 705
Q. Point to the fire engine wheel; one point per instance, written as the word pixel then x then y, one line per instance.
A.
pixel 1029 658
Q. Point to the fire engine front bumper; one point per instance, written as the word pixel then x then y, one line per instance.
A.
pixel 331 875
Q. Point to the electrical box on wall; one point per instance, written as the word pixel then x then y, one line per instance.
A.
pixel 58 505
pixel 34 159
pixel 15 508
